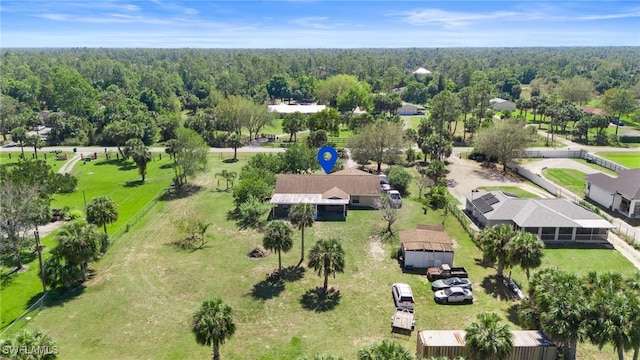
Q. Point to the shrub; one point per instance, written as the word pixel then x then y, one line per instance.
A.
pixel 400 179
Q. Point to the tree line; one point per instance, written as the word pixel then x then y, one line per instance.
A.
pixel 108 96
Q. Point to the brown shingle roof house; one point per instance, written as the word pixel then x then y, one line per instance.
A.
pixel 331 194
pixel 621 194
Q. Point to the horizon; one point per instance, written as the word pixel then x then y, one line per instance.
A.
pixel 308 24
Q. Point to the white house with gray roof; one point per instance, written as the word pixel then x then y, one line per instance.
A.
pixel 553 220
pixel 621 194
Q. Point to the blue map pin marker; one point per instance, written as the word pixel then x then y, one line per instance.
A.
pixel 325 161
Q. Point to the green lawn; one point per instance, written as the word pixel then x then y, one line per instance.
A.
pixel 116 179
pixel 275 128
pixel 144 290
pixel 627 159
pixel 412 122
pixel 523 194
pixel 7 158
pixel 570 179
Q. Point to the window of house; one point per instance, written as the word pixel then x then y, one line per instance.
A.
pixel 355 199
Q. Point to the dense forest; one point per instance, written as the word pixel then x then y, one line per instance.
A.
pixel 106 96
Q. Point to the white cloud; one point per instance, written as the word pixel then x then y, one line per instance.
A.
pixel 131 7
pixel 191 11
pixel 452 18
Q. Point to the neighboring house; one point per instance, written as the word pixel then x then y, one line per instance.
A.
pixel 527 345
pixel 410 109
pixel 553 220
pixel 288 109
pixel 592 110
pixel 621 194
pixel 427 246
pixel 331 194
pixel 421 71
pixel 498 104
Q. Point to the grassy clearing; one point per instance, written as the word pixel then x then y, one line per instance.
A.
pixel 274 128
pixel 114 178
pixel 597 167
pixel 144 291
pixel 524 194
pixel 628 159
pixel 571 179
pixel 7 158
pixel 412 122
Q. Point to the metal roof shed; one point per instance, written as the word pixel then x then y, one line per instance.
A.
pixel 527 345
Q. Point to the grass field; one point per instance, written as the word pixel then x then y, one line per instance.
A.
pixel 522 193
pixel 412 122
pixel 7 158
pixel 116 179
pixel 627 159
pixel 274 128
pixel 139 302
pixel 570 179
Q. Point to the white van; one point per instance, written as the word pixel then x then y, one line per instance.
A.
pixel 402 296
pixel 395 198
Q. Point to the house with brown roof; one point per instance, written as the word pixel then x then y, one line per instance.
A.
pixel 621 194
pixel 332 195
pixel 426 246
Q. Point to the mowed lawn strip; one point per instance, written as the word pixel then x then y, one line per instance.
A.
pixel 521 193
pixel 145 290
pixel 570 179
pixel 115 178
pixel 629 159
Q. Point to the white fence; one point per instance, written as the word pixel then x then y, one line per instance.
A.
pixel 534 178
pixel 573 154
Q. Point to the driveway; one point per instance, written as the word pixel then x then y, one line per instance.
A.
pixel 537 166
pixel 465 175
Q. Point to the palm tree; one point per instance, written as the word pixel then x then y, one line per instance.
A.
pixel 235 141
pixel 560 299
pixel 228 176
pixel 102 211
pixel 488 339
pixel 611 321
pixel 36 142
pixel 327 258
pixel 278 237
pixel 19 135
pixel 213 324
pixel 140 154
pixel 384 350
pixel 526 250
pixel 494 241
pixel 24 341
pixel 301 216
pixel 79 244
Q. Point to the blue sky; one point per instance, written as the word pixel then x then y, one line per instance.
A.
pixel 317 24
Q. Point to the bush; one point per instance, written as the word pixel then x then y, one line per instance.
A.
pixel 73 214
pixel 400 179
pixel 64 183
pixel 252 213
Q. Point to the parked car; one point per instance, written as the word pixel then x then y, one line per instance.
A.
pixel 395 198
pixel 453 295
pixel 451 282
pixel 402 296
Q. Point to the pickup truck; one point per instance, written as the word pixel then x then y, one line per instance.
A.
pixel 444 271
